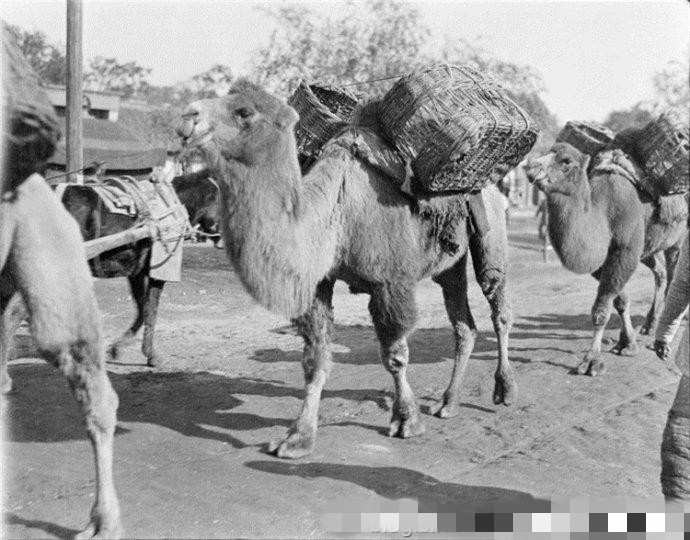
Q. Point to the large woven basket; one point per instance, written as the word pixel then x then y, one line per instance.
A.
pixel 323 110
pixel 664 149
pixel 455 126
pixel 587 137
pixel 30 128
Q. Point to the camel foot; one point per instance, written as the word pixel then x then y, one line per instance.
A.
pixel 100 527
pixel 625 349
pixel 153 361
pixel 406 427
pixel 447 410
pixel 591 365
pixel 505 391
pixel 296 445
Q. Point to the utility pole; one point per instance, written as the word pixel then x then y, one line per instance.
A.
pixel 74 148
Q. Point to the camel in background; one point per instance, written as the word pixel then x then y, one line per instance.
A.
pixel 291 237
pixel 604 226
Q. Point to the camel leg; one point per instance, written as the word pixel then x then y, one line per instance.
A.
pixel 490 261
pixel 627 342
pixel 153 296
pixel 394 313
pixel 671 255
pixel 453 282
pixel 612 276
pixel 81 362
pixel 656 264
pixel 316 328
pixel 13 313
pixel 138 286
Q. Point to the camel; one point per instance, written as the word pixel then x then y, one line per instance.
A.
pixel 42 260
pixel 131 261
pixel 291 237
pixel 604 226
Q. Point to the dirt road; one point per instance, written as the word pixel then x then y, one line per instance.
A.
pixel 190 456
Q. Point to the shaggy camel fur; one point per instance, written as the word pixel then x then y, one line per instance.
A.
pixel 43 261
pixel 290 238
pixel 605 227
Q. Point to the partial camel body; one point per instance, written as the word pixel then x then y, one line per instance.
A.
pixel 603 226
pixel 130 261
pixel 291 237
pixel 43 263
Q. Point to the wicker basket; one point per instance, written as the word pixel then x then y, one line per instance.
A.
pixel 455 126
pixel 323 110
pixel 664 150
pixel 587 137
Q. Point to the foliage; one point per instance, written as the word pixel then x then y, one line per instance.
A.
pixel 672 84
pixel 48 60
pixel 372 40
pixel 636 116
pixel 108 74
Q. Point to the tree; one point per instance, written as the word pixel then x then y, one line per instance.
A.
pixel 372 40
pixel 636 116
pixel 107 74
pixel 672 85
pixel 214 82
pixel 47 59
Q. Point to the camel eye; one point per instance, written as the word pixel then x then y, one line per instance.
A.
pixel 244 112
pixel 567 161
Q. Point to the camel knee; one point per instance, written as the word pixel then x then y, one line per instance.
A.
pixel 600 314
pixel 395 357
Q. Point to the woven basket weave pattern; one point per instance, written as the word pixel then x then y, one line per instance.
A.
pixel 455 125
pixel 323 111
pixel 665 149
pixel 587 137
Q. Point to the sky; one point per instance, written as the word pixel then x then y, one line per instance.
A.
pixel 594 56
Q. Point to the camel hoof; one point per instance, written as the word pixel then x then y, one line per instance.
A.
pixel 591 365
pixel 505 392
pixel 447 410
pixel 631 349
pixel 406 428
pixel 153 361
pixel 294 446
pixel 97 530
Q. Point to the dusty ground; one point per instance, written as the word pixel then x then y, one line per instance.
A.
pixel 190 447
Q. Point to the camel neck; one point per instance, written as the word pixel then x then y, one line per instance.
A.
pixel 280 230
pixel 578 229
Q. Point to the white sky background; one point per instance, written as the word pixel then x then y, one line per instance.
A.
pixel 594 56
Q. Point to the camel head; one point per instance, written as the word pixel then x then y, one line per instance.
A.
pixel 562 170
pixel 245 126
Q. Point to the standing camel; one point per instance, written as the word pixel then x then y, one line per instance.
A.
pixel 291 237
pixel 42 259
pixel 604 226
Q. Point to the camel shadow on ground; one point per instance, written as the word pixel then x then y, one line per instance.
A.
pixel 42 409
pixel 357 345
pixel 397 483
pixel 49 528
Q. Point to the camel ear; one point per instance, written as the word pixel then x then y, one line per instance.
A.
pixel 286 117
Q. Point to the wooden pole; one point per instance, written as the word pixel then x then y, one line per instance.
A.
pixel 75 156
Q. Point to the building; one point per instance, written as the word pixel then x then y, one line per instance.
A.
pixel 109 147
